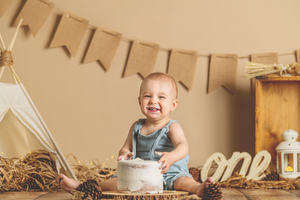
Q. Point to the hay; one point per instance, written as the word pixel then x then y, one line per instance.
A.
pixel 78 195
pixel 94 171
pixel 238 181
pixel 190 197
pixel 15 173
pixel 39 167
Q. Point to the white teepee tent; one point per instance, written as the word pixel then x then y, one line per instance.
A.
pixel 22 129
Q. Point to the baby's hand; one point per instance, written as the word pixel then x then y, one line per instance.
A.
pixel 165 161
pixel 126 156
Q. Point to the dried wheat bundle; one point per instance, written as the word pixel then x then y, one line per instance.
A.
pixel 258 69
pixel 36 171
pixel 239 181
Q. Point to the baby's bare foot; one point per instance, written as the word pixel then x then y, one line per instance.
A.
pixel 201 187
pixel 67 184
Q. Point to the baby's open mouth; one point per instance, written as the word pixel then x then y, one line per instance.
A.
pixel 153 109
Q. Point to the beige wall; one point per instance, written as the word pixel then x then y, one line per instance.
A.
pixel 89 111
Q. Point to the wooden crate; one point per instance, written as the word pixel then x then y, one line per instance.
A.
pixel 277 108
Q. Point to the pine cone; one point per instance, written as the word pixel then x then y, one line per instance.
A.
pixel 32 184
pixel 90 188
pixel 212 191
pixel 272 176
pixel 195 172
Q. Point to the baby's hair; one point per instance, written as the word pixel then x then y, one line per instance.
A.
pixel 160 75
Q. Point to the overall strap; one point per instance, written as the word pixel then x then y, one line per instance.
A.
pixel 163 131
pixel 135 132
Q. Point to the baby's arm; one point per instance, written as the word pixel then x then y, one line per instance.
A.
pixel 125 152
pixel 181 147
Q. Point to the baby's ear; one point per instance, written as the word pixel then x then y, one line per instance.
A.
pixel 139 100
pixel 174 104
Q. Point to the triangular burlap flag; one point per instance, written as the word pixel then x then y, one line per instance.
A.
pixel 142 58
pixel 223 70
pixel 4 4
pixel 103 47
pixel 69 32
pixel 182 66
pixel 298 56
pixel 34 14
pixel 264 58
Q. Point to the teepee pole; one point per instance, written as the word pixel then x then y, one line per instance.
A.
pixel 3 48
pixel 17 80
pixel 11 44
pixel 2 43
pixel 1 72
pixel 14 77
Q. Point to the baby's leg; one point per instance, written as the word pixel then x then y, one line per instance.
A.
pixel 67 184
pixel 110 185
pixel 188 184
pixel 70 185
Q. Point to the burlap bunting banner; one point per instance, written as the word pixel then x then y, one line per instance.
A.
pixel 103 47
pixel 4 6
pixel 34 14
pixel 70 32
pixel 142 58
pixel 182 66
pixel 265 58
pixel 223 70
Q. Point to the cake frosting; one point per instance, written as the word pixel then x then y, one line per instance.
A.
pixel 139 176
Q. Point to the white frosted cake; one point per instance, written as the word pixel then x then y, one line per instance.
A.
pixel 139 176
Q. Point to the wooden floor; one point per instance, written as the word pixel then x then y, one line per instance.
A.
pixel 228 194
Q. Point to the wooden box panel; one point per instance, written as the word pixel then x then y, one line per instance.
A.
pixel 277 108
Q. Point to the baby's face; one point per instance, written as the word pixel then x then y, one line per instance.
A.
pixel 157 98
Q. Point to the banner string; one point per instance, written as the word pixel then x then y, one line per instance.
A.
pixel 168 50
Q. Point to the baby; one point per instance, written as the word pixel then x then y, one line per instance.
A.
pixel 157 137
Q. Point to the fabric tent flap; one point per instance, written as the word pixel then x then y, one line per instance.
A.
pixel 22 129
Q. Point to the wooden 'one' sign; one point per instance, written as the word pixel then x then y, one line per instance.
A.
pixel 259 164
